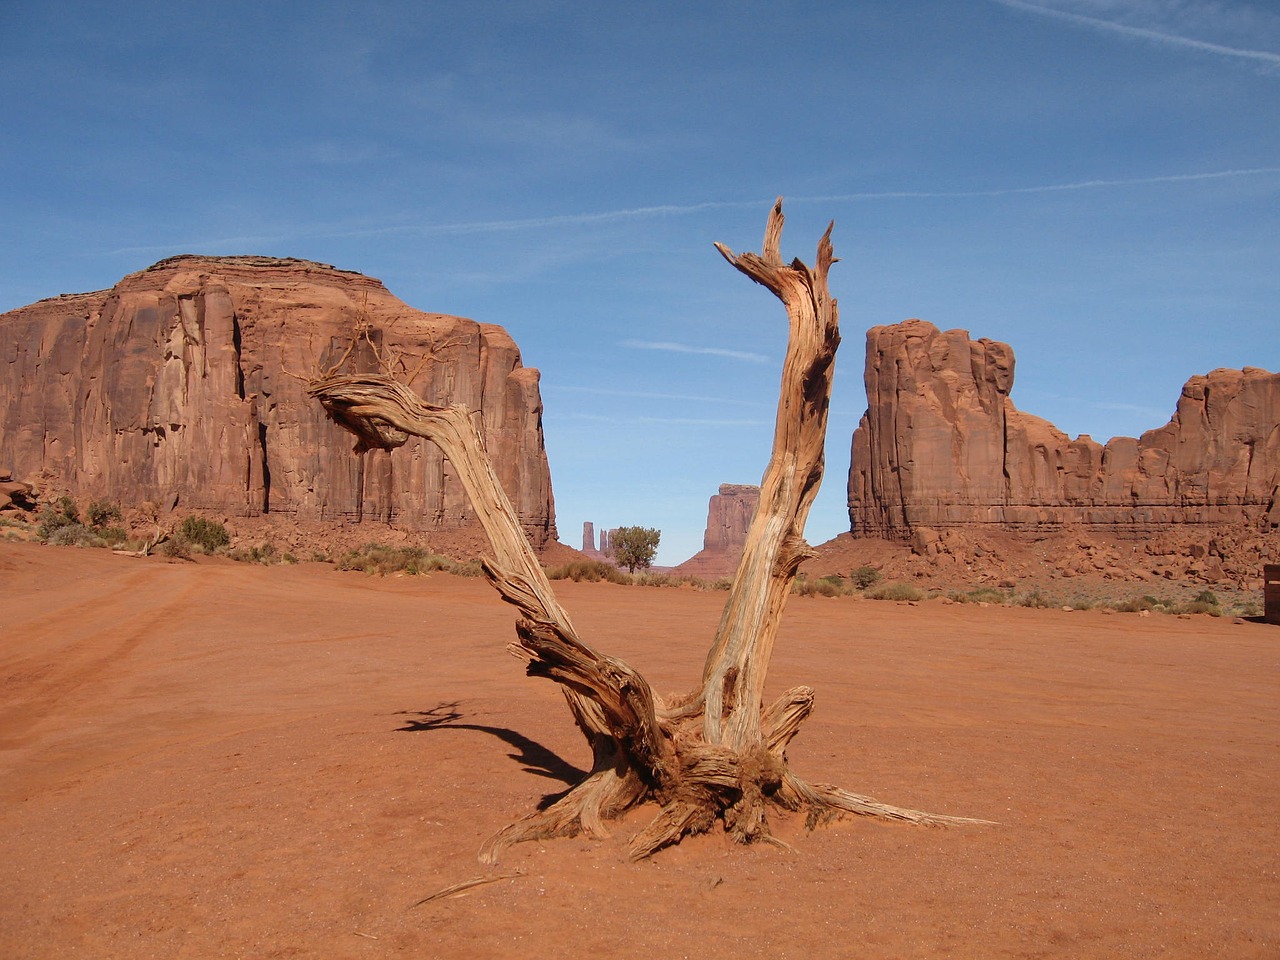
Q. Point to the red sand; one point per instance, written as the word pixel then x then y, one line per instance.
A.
pixel 211 760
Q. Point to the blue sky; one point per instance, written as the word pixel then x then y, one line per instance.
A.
pixel 1096 182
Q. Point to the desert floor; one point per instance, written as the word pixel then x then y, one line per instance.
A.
pixel 224 760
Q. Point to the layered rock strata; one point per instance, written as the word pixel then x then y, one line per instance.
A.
pixel 942 446
pixel 183 386
pixel 729 514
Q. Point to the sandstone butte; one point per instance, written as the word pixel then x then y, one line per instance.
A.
pixel 182 387
pixel 729 513
pixel 942 446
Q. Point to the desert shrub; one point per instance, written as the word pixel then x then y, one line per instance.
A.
pixel 1198 606
pixel 1034 599
pixel 174 547
pixel 1137 604
pixel 647 579
pixel 74 535
pixel 206 535
pixel 55 516
pixel 981 595
pixel 829 586
pixel 1206 596
pixel 113 536
pixel 383 559
pixel 592 571
pixel 264 553
pixel 864 577
pixel 100 513
pixel 895 590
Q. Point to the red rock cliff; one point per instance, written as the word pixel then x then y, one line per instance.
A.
pixel 180 386
pixel 942 445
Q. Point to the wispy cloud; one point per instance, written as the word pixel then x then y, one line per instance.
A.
pixel 571 219
pixel 642 395
pixel 669 421
pixel 222 244
pixel 670 347
pixel 1039 188
pixel 1145 33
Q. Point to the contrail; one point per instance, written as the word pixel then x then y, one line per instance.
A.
pixel 671 209
pixel 1264 56
pixel 685 348
pixel 1040 188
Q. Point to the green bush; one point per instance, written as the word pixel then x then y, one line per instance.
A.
pixel 1034 599
pixel 895 590
pixel 207 535
pixel 74 535
pixel 54 517
pixel 864 577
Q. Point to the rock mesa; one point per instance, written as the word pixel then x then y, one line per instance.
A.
pixel 180 386
pixel 942 446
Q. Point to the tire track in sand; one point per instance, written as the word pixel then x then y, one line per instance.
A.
pixel 81 641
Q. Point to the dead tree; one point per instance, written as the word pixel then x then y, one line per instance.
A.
pixel 719 753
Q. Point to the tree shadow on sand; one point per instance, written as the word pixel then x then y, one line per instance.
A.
pixel 532 756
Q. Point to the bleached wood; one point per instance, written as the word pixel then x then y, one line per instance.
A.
pixel 716 754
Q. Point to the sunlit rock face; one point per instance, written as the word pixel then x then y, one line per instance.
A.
pixel 729 514
pixel 942 446
pixel 183 386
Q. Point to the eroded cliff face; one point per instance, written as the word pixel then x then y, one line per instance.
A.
pixel 182 386
pixel 942 446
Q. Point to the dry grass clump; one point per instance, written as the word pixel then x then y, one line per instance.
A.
pixel 982 595
pixel 383 559
pixel 828 586
pixel 593 571
pixel 895 590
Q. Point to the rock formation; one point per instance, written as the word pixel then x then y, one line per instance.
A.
pixel 729 514
pixel 589 542
pixel 942 446
pixel 180 387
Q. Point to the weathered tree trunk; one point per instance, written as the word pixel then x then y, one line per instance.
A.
pixel 717 754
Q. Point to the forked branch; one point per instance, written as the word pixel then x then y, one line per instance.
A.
pixel 716 754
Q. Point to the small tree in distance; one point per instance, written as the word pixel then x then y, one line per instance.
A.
pixel 634 547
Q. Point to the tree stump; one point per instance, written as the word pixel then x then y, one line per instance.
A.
pixel 718 754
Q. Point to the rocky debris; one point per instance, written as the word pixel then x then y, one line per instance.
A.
pixel 183 386
pixel 942 446
pixel 729 515
pixel 15 495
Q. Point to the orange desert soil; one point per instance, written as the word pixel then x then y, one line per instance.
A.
pixel 223 760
